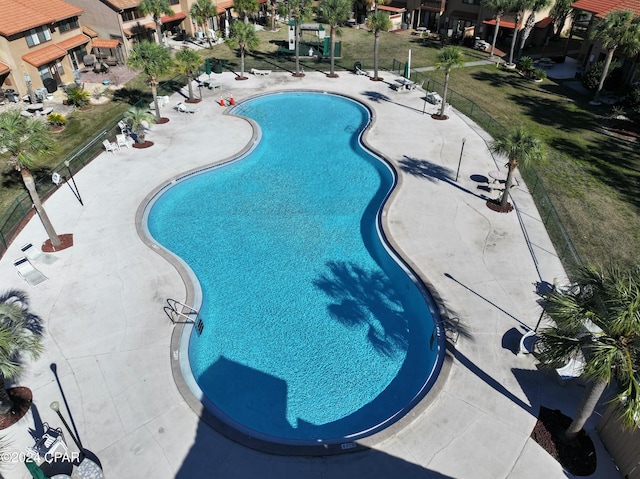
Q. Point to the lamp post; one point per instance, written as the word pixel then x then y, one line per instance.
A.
pixel 55 406
pixel 464 140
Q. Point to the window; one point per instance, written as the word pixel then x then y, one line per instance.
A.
pixel 68 24
pixel 174 2
pixel 471 2
pixel 131 15
pixel 36 36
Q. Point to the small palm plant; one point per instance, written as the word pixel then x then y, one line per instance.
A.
pixel 20 334
pixel 57 119
pixel 334 12
pixel 78 97
pixel 138 119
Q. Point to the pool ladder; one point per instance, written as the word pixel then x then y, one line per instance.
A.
pixel 183 314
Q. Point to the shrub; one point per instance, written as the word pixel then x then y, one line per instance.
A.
pixel 57 119
pixel 591 77
pixel 538 74
pixel 78 97
pixel 525 64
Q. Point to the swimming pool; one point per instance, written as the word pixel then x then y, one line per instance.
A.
pixel 313 330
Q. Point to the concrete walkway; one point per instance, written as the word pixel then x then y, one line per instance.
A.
pixel 108 340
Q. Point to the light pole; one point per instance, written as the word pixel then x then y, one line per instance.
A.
pixel 464 140
pixel 55 406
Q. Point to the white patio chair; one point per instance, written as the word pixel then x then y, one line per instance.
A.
pixel 28 272
pixel 34 254
pixel 112 147
pixel 121 140
pixel 182 108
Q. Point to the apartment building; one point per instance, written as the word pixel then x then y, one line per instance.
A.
pixel 41 44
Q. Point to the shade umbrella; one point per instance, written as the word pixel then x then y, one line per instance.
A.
pixel 407 67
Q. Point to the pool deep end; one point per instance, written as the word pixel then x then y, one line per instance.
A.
pixel 314 333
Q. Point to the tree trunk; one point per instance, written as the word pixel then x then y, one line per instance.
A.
pixel 332 42
pixel 605 71
pixel 495 35
pixel 443 104
pixel 158 23
pixel 507 184
pixel 154 92
pixel 585 409
pixel 297 47
pixel 531 21
pixel 513 40
pixel 190 80
pixel 30 184
pixel 241 62
pixel 6 403
pixel 376 36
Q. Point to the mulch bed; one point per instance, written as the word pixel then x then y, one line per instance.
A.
pixel 435 116
pixel 21 398
pixel 495 206
pixel 577 456
pixel 66 241
pixel 162 121
pixel 145 144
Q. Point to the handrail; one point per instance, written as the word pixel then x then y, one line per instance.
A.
pixel 172 310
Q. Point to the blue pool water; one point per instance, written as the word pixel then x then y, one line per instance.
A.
pixel 312 330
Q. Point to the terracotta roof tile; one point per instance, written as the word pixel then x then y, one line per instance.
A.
pixel 44 55
pixel 122 4
pixel 21 15
pixel 104 43
pixel 88 31
pixel 74 41
pixel 4 68
pixel 602 7
pixel 173 18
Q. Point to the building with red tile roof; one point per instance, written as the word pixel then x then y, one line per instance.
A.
pixel 41 44
pixel 592 51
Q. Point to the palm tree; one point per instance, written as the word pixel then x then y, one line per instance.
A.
pixel 137 118
pixel 334 12
pixel 156 8
pixel 560 12
pixel 377 22
pixel 300 11
pixel 618 30
pixel 24 141
pixel 20 333
pixel 448 58
pixel 599 319
pixel 519 146
pixel 246 7
pixel 500 7
pixel 243 36
pixel 154 60
pixel 535 6
pixel 201 12
pixel 517 6
pixel 187 63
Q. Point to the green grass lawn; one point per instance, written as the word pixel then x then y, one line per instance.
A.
pixel 592 175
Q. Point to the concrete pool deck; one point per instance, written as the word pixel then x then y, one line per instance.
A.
pixel 109 340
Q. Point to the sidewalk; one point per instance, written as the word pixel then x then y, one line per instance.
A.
pixel 109 340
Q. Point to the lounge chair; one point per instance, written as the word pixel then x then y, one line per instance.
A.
pixel 112 147
pixel 33 254
pixel 182 108
pixel 124 128
pixel 121 140
pixel 28 272
pixel 257 72
pixel 162 102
